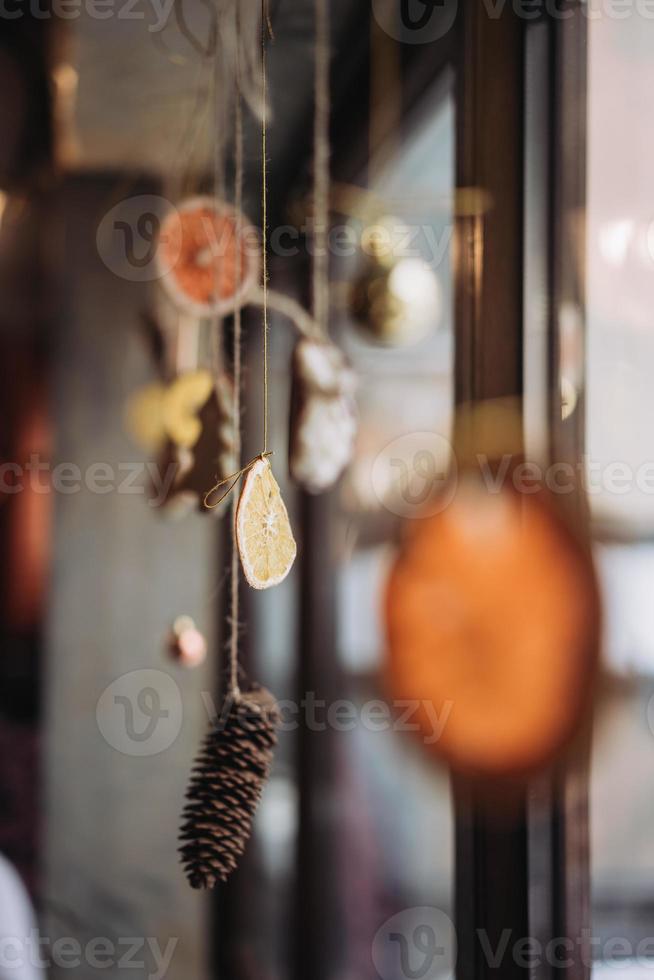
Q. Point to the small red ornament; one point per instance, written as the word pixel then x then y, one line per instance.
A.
pixel 187 644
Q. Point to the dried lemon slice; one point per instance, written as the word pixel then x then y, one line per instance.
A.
pixel 265 540
pixel 184 398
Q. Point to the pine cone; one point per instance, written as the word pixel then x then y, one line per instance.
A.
pixel 226 785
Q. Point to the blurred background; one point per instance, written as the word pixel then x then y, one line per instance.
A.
pixel 535 129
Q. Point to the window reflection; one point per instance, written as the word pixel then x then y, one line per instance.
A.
pixel 620 404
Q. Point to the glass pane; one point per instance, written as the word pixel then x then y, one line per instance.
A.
pixel 401 809
pixel 620 399
pixel 385 796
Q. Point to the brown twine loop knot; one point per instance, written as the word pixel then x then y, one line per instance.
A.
pixel 232 479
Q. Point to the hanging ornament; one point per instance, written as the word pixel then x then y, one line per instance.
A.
pixel 491 610
pixel 226 786
pixel 159 411
pixel 186 643
pixel 323 415
pixel 216 265
pixel 181 406
pixel 263 532
pixel 232 768
pixel 396 300
pixel 144 416
pixel 213 456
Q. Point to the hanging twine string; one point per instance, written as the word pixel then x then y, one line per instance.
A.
pixel 321 169
pixel 230 482
pixel 238 202
pixel 266 32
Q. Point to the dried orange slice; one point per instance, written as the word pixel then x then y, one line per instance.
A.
pixel 207 256
pixel 263 532
pixel 492 615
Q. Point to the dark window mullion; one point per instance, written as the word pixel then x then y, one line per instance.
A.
pixel 491 887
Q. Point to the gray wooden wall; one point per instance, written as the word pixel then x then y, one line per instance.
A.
pixel 121 573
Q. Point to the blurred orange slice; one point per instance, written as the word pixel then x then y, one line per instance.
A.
pixel 207 256
pixel 492 615
pixel 263 532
